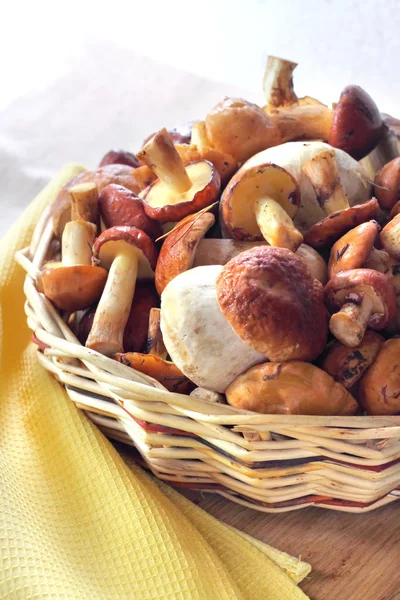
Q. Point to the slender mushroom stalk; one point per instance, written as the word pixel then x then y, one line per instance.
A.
pixel 199 135
pixel 79 234
pixel 350 323
pixel 84 202
pixel 275 224
pixel 323 172
pixel 278 82
pixel 155 342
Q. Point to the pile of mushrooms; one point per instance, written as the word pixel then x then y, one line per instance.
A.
pixel 251 258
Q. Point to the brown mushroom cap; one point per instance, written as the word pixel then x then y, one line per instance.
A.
pixel 363 281
pixel 357 123
pixel 347 365
pixel 329 229
pixel 352 250
pixel 225 164
pixel 387 184
pixel 74 288
pixel 162 370
pixel 237 201
pixel 390 237
pixel 179 248
pixel 163 205
pixel 294 388
pixel 121 238
pixel 119 157
pixel 273 303
pixel 379 388
pixel 240 129
pixel 120 206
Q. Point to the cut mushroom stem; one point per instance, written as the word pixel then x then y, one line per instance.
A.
pixel 278 82
pixel 84 202
pixel 160 154
pixel 323 173
pixel 275 224
pixel 199 135
pixel 77 241
pixel 155 342
pixel 349 324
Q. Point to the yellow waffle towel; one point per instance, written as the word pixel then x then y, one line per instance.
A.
pixel 75 521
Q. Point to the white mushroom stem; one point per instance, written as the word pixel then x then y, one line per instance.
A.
pixel 84 202
pixel 113 310
pixel 278 82
pixel 275 224
pixel 349 324
pixel 199 135
pixel 162 157
pixel 77 240
pixel 155 342
pixel 323 172
pixel 208 395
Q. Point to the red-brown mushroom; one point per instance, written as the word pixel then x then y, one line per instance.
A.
pixel 119 157
pixel 353 249
pixel 390 237
pixel 358 299
pixel 179 191
pixel 180 134
pixel 379 388
pixel 387 184
pixel 129 254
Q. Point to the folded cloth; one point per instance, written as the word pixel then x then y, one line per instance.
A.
pixel 75 521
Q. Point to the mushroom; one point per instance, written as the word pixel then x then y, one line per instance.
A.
pixel 180 134
pixel 155 343
pixel 292 156
pixel 75 284
pixel 347 365
pixel 379 388
pixel 120 206
pixel 180 190
pixel 136 328
pixel 119 157
pixel 390 237
pixel 208 395
pixel 354 124
pixel 354 249
pixel 135 180
pixel 387 148
pixel 260 203
pixel 196 334
pixel 357 299
pixel 129 254
pixel 314 261
pixel 293 388
pixel 387 185
pixel 273 303
pixel 240 129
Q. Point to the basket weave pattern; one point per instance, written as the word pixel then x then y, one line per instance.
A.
pixel 269 462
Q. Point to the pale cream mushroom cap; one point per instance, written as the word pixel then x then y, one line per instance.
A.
pixel 196 334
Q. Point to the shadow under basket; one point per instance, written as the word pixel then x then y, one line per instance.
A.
pixel 282 463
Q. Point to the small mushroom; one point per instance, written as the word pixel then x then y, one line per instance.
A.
pixel 379 388
pixel 390 237
pixel 353 249
pixel 260 203
pixel 196 334
pixel 354 124
pixel 293 388
pixel 120 206
pixel 135 180
pixel 119 157
pixel 75 284
pixel 347 365
pixel 358 299
pixel 179 191
pixel 387 184
pixel 240 129
pixel 273 303
pixel 129 254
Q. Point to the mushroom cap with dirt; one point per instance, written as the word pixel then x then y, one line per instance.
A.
pixel 353 249
pixel 196 334
pixel 292 388
pixel 379 388
pixel 274 304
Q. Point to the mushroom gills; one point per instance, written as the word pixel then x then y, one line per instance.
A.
pixel 275 224
pixel 199 173
pixel 349 324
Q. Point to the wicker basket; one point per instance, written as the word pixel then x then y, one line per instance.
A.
pixel 272 463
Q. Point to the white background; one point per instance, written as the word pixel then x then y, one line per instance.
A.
pixel 73 83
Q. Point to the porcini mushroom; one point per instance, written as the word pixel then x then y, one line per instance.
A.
pixel 260 203
pixel 129 254
pixel 357 299
pixel 353 249
pixel 75 284
pixel 119 157
pixel 354 124
pixel 240 129
pixel 293 388
pixel 379 388
pixel 346 365
pixel 179 190
pixel 387 184
pixel 120 206
pixel 390 237
pixel 196 334
pixel 273 303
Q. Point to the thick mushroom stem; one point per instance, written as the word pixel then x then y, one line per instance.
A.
pixel 155 342
pixel 349 324
pixel 278 82
pixel 199 135
pixel 162 157
pixel 106 335
pixel 323 172
pixel 84 202
pixel 77 241
pixel 275 224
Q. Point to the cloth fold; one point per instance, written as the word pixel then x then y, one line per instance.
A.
pixel 75 521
